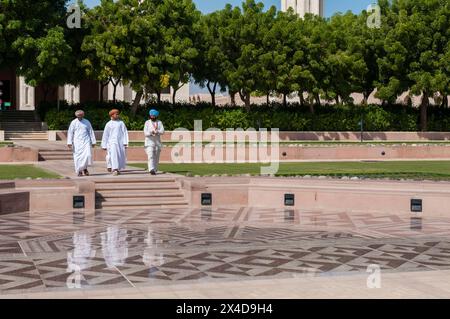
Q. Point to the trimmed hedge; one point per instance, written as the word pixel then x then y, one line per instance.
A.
pixel 291 118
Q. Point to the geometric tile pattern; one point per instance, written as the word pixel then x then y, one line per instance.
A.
pixel 40 251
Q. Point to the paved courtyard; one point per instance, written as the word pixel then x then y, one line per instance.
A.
pixel 222 252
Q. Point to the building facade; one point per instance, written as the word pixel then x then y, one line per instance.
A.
pixel 302 7
pixel 15 94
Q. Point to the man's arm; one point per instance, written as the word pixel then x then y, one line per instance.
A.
pixel 147 130
pixel 125 134
pixel 70 134
pixel 105 137
pixel 160 128
pixel 92 134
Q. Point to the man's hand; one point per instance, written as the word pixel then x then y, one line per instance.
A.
pixel 126 146
pixel 104 149
pixel 94 145
pixel 69 146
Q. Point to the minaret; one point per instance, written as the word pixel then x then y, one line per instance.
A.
pixel 301 7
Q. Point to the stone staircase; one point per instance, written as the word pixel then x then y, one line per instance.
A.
pixel 26 135
pixel 139 193
pixel 22 125
pixel 55 155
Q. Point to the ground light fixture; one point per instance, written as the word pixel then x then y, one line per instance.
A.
pixel 289 199
pixel 206 199
pixel 78 202
pixel 416 205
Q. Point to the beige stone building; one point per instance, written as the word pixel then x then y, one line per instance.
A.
pixel 302 7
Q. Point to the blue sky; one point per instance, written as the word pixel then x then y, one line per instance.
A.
pixel 331 6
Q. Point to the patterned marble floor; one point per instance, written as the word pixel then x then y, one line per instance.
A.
pixel 48 251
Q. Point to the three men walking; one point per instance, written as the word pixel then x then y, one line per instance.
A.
pixel 81 138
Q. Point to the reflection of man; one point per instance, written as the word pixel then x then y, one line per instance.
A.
pixel 78 259
pixel 114 246
pixel 114 141
pixel 80 137
pixel 150 257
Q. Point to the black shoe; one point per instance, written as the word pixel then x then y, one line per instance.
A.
pixel 152 172
pixel 86 172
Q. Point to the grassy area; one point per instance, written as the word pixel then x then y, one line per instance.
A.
pixel 417 170
pixel 317 143
pixel 3 144
pixel 24 171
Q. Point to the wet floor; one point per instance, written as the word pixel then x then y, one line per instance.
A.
pixel 45 251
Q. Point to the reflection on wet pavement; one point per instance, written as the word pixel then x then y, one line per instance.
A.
pixel 68 250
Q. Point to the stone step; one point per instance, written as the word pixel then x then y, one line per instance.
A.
pixel 125 180
pixel 140 186
pixel 26 138
pixel 141 194
pixel 132 200
pixel 143 203
pixel 19 134
pixel 55 153
pixel 124 208
pixel 55 158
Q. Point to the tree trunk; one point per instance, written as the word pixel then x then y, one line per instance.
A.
pixel 444 100
pixel 366 98
pixel 302 99
pixel 245 97
pixel 311 108
pixel 212 91
pixel 158 96
pixel 284 100
pixel 424 111
pixel 102 88
pixel 114 93
pixel 136 102
pixel 268 98
pixel 233 98
pixel 337 100
pixel 317 97
pixel 174 95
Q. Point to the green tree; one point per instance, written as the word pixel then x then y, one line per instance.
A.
pixel 209 68
pixel 23 21
pixel 415 48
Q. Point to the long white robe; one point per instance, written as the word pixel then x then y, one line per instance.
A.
pixel 81 136
pixel 115 137
pixel 153 145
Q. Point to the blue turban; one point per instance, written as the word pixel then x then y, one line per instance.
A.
pixel 154 113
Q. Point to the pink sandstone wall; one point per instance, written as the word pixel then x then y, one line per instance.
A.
pixel 57 195
pixel 312 136
pixel 18 154
pixel 323 195
pixel 286 153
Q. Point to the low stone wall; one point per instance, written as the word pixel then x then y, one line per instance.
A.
pixel 298 136
pixel 57 195
pixel 289 153
pixel 322 195
pixel 18 154
pixel 2 136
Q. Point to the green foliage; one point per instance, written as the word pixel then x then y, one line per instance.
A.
pixel 293 117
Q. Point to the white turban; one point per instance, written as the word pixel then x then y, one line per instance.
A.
pixel 79 113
